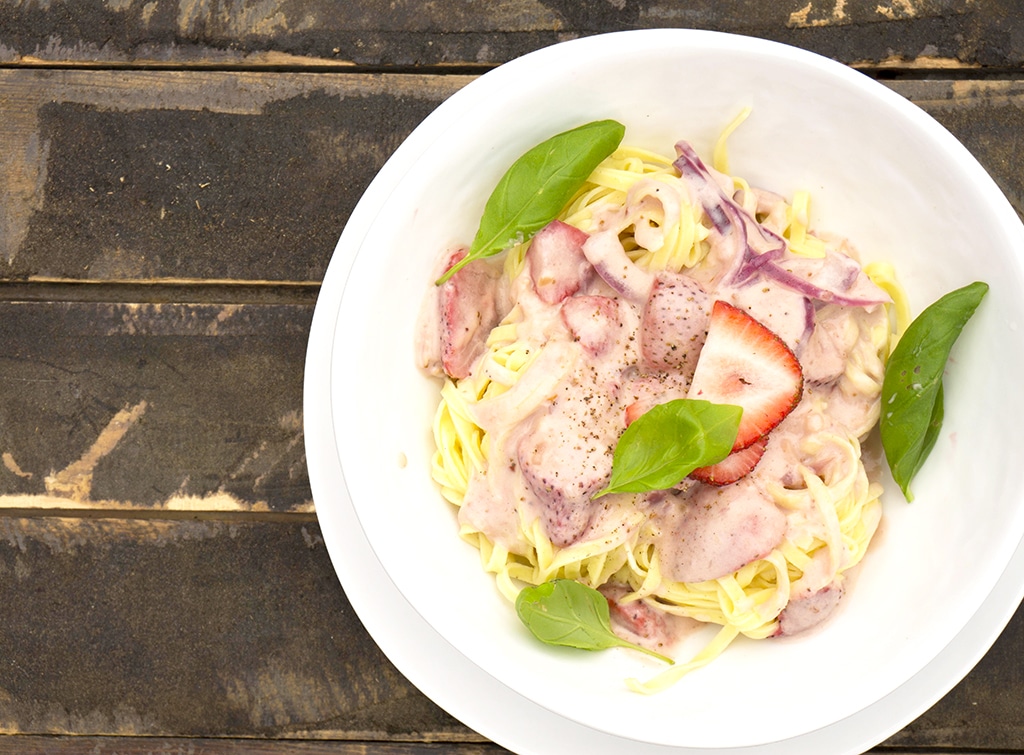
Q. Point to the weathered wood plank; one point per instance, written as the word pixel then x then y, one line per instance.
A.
pixel 143 176
pixel 191 629
pixel 197 175
pixel 962 33
pixel 220 629
pixel 33 745
pixel 183 407
pixel 29 745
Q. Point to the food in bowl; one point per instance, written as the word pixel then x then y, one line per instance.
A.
pixel 661 393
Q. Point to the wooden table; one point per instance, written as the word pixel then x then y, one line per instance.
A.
pixel 174 175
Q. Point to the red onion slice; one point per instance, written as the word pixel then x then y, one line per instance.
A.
pixel 835 278
pixel 605 252
pixel 757 245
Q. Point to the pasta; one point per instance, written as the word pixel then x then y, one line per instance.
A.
pixel 813 471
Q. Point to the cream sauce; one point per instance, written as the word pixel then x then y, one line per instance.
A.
pixel 606 351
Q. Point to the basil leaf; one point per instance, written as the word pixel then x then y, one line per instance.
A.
pixel 568 613
pixel 538 185
pixel 912 409
pixel 663 445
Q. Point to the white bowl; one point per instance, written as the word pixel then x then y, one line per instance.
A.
pixel 882 173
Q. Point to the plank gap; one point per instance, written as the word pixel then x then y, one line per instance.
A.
pixel 169 515
pixel 146 745
pixel 903 69
pixel 913 73
pixel 162 291
pixel 320 66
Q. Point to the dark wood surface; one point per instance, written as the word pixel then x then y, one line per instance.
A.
pixel 174 175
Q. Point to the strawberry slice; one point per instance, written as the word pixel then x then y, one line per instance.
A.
pixel 469 310
pixel 744 363
pixel 733 467
pixel 634 410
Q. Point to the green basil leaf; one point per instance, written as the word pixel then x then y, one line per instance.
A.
pixel 568 613
pixel 912 409
pixel 931 433
pixel 663 445
pixel 538 185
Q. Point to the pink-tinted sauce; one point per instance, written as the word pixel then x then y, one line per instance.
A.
pixel 607 349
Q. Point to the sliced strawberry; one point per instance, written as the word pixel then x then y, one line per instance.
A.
pixel 635 616
pixel 745 364
pixel 674 324
pixel 634 410
pixel 558 268
pixel 733 467
pixel 469 310
pixel 595 321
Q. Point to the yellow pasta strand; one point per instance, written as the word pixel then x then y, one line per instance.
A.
pixel 720 154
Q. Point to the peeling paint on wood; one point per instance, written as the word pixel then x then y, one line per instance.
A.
pixel 802 18
pixel 817 13
pixel 75 480
pixel 12 465
pixel 402 33
pixel 211 503
pixel 923 61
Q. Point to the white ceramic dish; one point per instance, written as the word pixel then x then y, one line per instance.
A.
pixel 485 704
pixel 882 173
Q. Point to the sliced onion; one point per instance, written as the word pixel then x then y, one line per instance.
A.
pixel 534 387
pixel 836 278
pixel 605 252
pixel 756 244
pixel 692 168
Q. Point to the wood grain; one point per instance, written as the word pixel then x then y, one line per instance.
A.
pixel 170 407
pixel 385 34
pixel 115 176
pixel 239 629
pixel 164 177
pixel 29 745
pixel 124 627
